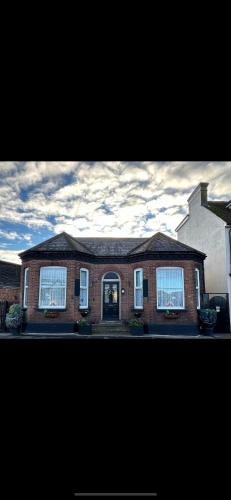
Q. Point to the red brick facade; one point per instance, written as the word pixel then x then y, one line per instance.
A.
pixel 12 295
pixel 126 273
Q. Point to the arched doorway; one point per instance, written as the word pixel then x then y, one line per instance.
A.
pixel 111 285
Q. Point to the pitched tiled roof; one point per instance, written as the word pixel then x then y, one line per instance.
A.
pixel 107 247
pixel 162 243
pixel 60 242
pixel 9 274
pixel 111 246
pixel 220 209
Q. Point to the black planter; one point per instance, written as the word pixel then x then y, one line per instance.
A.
pixel 137 330
pixel 207 328
pixel 85 329
pixel 14 331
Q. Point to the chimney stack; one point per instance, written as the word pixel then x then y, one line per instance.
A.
pixel 199 195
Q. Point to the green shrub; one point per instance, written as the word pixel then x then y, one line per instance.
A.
pixel 136 323
pixel 83 322
pixel 14 316
pixel 208 316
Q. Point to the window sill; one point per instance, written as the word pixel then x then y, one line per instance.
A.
pixel 170 310
pixel 50 309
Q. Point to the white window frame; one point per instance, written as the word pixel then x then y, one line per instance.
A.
pixel 138 287
pixel 198 291
pixel 175 307
pixel 26 287
pixel 84 287
pixel 40 287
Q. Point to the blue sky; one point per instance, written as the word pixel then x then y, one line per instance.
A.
pixel 41 199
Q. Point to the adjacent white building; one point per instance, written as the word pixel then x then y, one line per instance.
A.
pixel 207 227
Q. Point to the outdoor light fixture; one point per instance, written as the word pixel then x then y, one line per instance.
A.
pixel 122 290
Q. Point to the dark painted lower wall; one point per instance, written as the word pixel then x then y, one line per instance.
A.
pixel 173 329
pixel 49 328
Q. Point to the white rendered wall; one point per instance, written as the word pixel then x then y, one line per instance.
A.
pixel 228 269
pixel 206 232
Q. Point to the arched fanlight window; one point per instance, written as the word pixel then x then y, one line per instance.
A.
pixel 111 276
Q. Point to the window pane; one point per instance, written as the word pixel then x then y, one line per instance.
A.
pixel 52 297
pixel 53 277
pixel 26 296
pixel 170 288
pixel 83 297
pixel 106 293
pixel 138 278
pixel 114 294
pixel 83 278
pixel 111 276
pixel 139 298
pixel 26 276
pixel 197 288
pixel 170 298
pixel 197 278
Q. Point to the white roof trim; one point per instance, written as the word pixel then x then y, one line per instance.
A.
pixel 182 222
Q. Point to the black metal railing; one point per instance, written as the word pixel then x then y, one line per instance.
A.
pixel 3 311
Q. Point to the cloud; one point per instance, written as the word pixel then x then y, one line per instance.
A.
pixel 103 198
pixel 12 235
pixel 10 256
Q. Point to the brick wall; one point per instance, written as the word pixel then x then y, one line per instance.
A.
pixel 10 294
pixel 125 271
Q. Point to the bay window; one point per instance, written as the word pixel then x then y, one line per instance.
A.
pixel 26 287
pixel 138 289
pixel 84 285
pixel 170 287
pixel 52 289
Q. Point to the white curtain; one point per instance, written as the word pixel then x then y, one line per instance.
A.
pixel 170 288
pixel 83 288
pixel 138 282
pixel 52 287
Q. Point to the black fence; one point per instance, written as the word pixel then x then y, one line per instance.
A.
pixel 220 302
pixel 3 311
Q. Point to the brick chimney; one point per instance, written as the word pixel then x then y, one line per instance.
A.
pixel 199 195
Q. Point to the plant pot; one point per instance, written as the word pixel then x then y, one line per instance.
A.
pixel 137 330
pixel 85 329
pixel 171 316
pixel 51 315
pixel 207 328
pixel 14 331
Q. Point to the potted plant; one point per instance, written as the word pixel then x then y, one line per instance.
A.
pixel 50 314
pixel 208 319
pixel 171 314
pixel 136 327
pixel 14 319
pixel 84 327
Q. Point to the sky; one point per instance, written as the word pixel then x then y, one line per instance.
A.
pixel 99 198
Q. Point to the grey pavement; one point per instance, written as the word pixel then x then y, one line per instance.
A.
pixel 24 336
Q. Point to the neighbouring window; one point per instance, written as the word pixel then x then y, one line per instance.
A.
pixel 26 287
pixel 53 284
pixel 138 289
pixel 170 287
pixel 84 284
pixel 197 279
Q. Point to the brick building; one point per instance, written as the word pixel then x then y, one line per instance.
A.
pixel 10 281
pixel 111 279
